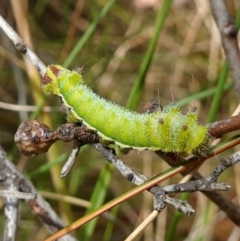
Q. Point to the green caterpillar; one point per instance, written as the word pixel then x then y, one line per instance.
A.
pixel 168 131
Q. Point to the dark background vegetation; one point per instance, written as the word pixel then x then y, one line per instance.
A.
pixel 188 60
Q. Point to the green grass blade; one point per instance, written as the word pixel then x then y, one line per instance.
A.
pixel 203 95
pixel 110 225
pixel 45 167
pixel 138 86
pixel 222 79
pixel 88 33
pixel 219 93
pixel 200 95
pixel 97 199
pixel 175 221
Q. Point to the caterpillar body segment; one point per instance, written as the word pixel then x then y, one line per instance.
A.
pixel 166 131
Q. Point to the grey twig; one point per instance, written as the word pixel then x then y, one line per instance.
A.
pixel 126 171
pixel 11 177
pixel 206 184
pixel 71 159
pixel 11 214
pixel 228 31
pixel 160 198
pixel 232 211
pixel 22 47
pixel 16 194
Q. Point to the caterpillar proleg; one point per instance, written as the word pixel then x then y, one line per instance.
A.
pixel 168 131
